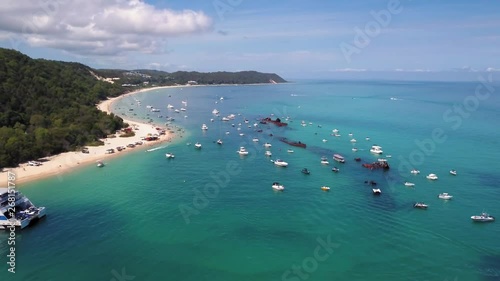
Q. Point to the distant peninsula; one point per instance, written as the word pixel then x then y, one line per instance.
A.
pixel 49 107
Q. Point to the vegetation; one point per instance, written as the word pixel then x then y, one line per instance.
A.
pixel 48 107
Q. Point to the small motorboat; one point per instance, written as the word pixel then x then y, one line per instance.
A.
pixel 219 141
pixel 255 140
pixel 453 172
pixel 242 151
pixel 432 177
pixel 335 169
pixel 420 205
pixel 357 159
pixel 353 140
pixel 415 172
pixel 306 171
pixel 290 151
pixel 277 186
pixel 280 163
pixel 325 188
pixel 324 161
pixel 376 191
pixel 197 145
pixel 354 149
pixel 169 155
pixel 367 138
pixel 268 153
pixel 325 140
pixel 410 184
pixel 445 196
pixel 484 217
pixel 267 144
pixel 335 131
pixel 100 164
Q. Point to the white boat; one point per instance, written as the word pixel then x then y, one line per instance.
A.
pixel 219 141
pixel 339 158
pixel 409 183
pixel 325 188
pixel 415 172
pixel 267 144
pixel 255 140
pixel 204 127
pixel 242 151
pixel 335 131
pixel 268 153
pixel 170 106
pixel 445 196
pixel 453 172
pixel 169 155
pixel 215 112
pixel 376 191
pixel 367 138
pixel 197 145
pixel 227 132
pixel 277 186
pixel 336 135
pixel 290 151
pixel 100 164
pixel 376 149
pixel 325 140
pixel 280 163
pixel 420 205
pixel 177 111
pixel 432 177
pixel 324 160
pixel 484 217
pixel 353 140
pixel 350 134
pixel 241 134
pixel 183 109
pixel 155 110
pixel 354 149
pixel 225 119
pixel 21 213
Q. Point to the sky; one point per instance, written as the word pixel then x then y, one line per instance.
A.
pixel 372 39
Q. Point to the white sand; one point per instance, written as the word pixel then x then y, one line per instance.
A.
pixel 64 162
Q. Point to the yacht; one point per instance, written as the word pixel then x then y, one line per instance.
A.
pixel 376 191
pixel 339 158
pixel 204 127
pixel 353 140
pixel 267 144
pixel 100 164
pixel 225 119
pixel 280 163
pixel 268 153
pixel 169 155
pixel 21 214
pixel 177 111
pixel 290 151
pixel 215 112
pixel 376 149
pixel 255 140
pixel 183 109
pixel 415 172
pixel 219 141
pixel 432 177
pixel 324 161
pixel 484 217
pixel 325 188
pixel 420 205
pixel 453 172
pixel 242 151
pixel 169 106
pixel 197 145
pixel 409 184
pixel 335 131
pixel 325 140
pixel 277 186
pixel 354 149
pixel 445 196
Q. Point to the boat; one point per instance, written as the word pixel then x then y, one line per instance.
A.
pixel 415 172
pixel 276 122
pixel 169 106
pixel 169 155
pixel 290 151
pixel 325 188
pixel 100 164
pixel 204 127
pixel 420 205
pixel 280 163
pixel 268 153
pixel 16 210
pixel 306 171
pixel 376 149
pixel 350 134
pixel 219 141
pixel 335 169
pixel 339 158
pixel 376 191
pixel 453 172
pixel 267 145
pixel 409 183
pixel 432 177
pixel 357 159
pixel 325 140
pixel 225 119
pixel 335 131
pixel 324 160
pixel 242 151
pixel 367 138
pixel 277 186
pixel 445 196
pixel 484 217
pixel 183 109
pixel 293 143
pixel 255 140
pixel 353 140
pixel 197 145
pixel 354 149
pixel 215 112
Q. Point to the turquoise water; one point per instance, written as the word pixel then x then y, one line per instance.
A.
pixel 210 214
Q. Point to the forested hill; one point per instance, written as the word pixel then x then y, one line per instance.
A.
pixel 162 78
pixel 48 107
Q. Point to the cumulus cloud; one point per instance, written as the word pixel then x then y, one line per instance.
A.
pixel 98 27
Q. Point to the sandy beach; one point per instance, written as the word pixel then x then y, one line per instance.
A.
pixel 64 162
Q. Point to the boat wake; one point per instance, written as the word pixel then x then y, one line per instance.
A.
pixel 156 148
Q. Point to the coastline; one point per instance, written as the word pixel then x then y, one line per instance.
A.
pixel 68 161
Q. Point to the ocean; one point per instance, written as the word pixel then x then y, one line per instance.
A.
pixel 211 214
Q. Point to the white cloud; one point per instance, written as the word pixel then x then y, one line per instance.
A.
pixel 491 69
pixel 98 27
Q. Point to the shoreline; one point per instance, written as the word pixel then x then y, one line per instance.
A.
pixel 66 162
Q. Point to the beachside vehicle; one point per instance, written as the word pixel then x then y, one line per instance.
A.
pixel 242 151
pixel 110 151
pixel 169 155
pixel 34 163
pixel 339 158
pixel 277 186
pixel 432 177
pixel 445 196
pixel 85 150
pixel 21 214
pixel 280 163
pixel 325 188
pixel 484 217
pixel 376 149
pixel 420 205
pixel 410 184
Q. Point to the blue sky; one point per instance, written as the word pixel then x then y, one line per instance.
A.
pixel 296 39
